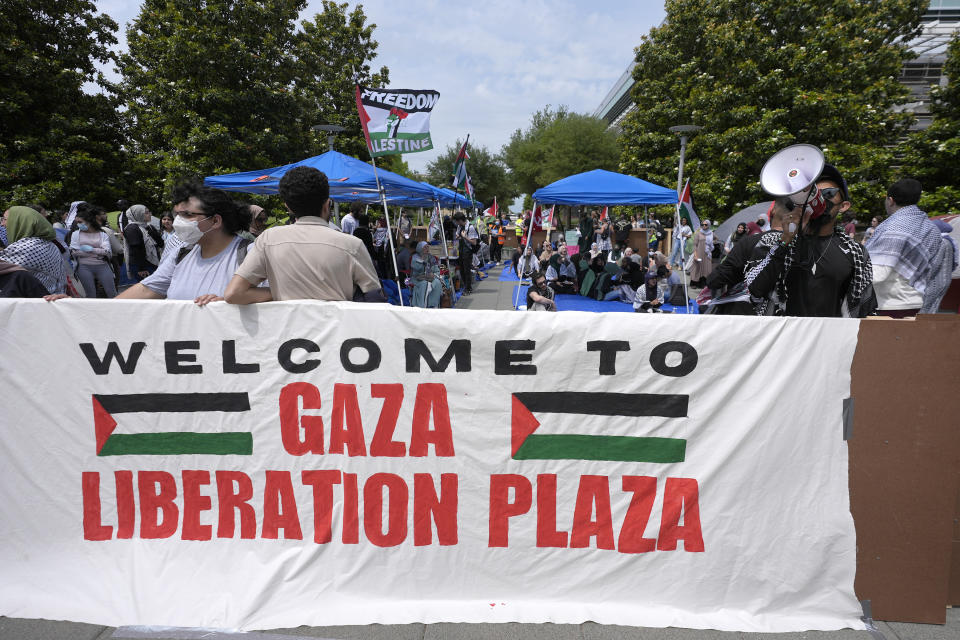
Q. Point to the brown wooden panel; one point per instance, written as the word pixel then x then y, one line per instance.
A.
pixel 904 464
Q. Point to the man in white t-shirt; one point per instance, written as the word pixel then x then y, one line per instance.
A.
pixel 349 222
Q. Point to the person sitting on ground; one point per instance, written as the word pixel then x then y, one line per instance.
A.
pixel 651 295
pixel 32 244
pixel 594 251
pixel 527 264
pixel 615 254
pixel 540 297
pixel 424 273
pixel 562 273
pixel 142 243
pixel 626 281
pixel 208 223
pixel 90 246
pixel 307 260
pixel 546 252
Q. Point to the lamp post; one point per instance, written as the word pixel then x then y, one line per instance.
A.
pixel 332 131
pixel 682 130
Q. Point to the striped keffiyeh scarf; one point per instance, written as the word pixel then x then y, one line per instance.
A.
pixel 909 243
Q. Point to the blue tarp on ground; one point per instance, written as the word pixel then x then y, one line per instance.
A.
pixel 569 302
pixel 350 180
pixel 600 187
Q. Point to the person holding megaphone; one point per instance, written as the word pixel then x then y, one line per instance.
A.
pixel 816 269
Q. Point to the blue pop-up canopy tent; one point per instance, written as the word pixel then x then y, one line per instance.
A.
pixel 600 187
pixel 350 180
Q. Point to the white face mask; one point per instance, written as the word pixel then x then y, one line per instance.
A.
pixel 188 230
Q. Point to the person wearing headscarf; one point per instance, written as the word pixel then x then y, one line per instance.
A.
pixel 527 264
pixel 562 273
pixel 90 246
pixel 702 261
pixel 739 234
pixel 142 244
pixel 651 295
pixel 33 246
pixel 427 286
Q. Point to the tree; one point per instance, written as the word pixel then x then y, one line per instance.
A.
pixel 760 75
pixel 333 53
pixel 57 142
pixel 932 155
pixel 209 87
pixel 488 174
pixel 558 144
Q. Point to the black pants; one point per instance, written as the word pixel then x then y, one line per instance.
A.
pixel 496 251
pixel 465 260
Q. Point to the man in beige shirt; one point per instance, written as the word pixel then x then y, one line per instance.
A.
pixel 308 260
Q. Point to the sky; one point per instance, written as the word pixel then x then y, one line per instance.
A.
pixel 494 62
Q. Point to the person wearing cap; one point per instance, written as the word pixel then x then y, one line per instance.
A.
pixel 912 268
pixel 816 269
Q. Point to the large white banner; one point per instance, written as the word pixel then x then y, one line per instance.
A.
pixel 329 463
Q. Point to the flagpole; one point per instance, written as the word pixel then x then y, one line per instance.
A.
pixel 523 253
pixel 446 253
pixel 683 259
pixel 386 215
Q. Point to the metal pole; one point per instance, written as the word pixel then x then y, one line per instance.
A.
pixel 386 215
pixel 676 224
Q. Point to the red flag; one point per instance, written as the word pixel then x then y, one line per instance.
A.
pixel 492 209
pixel 604 213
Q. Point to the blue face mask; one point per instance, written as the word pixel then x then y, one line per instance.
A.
pixel 82 226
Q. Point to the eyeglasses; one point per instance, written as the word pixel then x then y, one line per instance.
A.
pixel 190 214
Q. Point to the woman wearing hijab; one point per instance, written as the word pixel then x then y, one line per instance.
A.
pixel 90 246
pixel 142 244
pixel 427 286
pixel 735 237
pixel 32 245
pixel 651 295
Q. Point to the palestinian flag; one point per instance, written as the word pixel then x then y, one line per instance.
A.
pixel 467 185
pixel 396 120
pixel 460 165
pixel 686 206
pixel 548 219
pixel 605 213
pixel 492 209
pixel 433 229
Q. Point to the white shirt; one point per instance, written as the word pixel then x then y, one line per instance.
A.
pixel 348 223
pixel 894 291
pixel 194 275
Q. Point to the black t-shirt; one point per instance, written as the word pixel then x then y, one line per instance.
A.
pixel 20 284
pixel 819 278
pixel 547 292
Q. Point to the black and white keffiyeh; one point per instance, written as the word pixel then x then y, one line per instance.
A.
pixel 909 243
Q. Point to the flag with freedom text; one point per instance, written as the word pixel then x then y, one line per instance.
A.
pixel 396 120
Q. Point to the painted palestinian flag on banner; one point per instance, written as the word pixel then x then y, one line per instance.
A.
pixel 686 206
pixel 396 120
pixel 460 165
pixel 548 219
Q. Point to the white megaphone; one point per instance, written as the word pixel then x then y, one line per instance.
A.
pixel 793 172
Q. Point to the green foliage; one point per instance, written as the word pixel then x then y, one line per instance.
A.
pixel 231 85
pixel 57 143
pixel 932 155
pixel 558 144
pixel 487 173
pixel 760 75
pixel 333 55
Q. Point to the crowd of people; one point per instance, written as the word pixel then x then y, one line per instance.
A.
pixel 210 247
